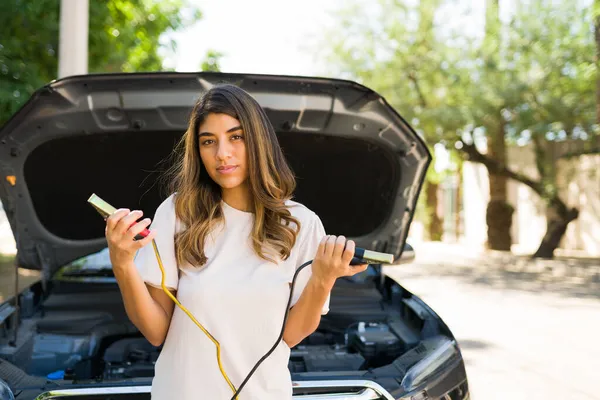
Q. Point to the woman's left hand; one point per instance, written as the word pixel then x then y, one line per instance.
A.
pixel 333 259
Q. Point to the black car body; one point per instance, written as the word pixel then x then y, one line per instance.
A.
pixel 359 166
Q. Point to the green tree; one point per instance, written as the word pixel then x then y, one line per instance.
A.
pixel 411 65
pixel 529 81
pixel 212 61
pixel 124 35
pixel 596 18
pixel 492 102
pixel 549 57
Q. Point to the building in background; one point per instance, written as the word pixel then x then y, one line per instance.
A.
pixel 463 200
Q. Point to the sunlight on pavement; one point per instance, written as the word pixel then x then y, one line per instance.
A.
pixel 521 339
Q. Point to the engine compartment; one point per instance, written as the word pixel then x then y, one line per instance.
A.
pixel 368 345
pixel 82 332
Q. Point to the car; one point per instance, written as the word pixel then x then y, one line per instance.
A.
pixel 359 165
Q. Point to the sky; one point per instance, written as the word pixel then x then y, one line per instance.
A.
pixel 258 36
pixel 276 36
pixel 282 36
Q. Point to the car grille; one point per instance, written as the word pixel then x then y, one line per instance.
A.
pixel 313 390
pixel 340 390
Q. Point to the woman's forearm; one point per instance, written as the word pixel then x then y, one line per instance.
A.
pixel 305 316
pixel 146 313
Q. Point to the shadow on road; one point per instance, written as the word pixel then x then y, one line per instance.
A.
pixel 572 277
pixel 472 344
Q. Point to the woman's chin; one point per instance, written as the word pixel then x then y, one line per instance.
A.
pixel 229 184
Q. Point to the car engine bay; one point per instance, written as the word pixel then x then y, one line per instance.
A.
pixel 82 332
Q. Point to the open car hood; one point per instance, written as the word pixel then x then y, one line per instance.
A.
pixel 359 165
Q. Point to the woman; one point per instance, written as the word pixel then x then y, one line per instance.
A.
pixel 230 239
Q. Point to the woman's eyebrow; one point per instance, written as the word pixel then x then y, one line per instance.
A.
pixel 235 128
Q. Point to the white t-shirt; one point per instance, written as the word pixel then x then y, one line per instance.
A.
pixel 238 297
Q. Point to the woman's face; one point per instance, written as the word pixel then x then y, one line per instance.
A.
pixel 223 150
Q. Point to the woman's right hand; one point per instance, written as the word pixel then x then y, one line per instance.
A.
pixel 121 229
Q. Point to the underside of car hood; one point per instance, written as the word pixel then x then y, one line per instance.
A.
pixel 358 164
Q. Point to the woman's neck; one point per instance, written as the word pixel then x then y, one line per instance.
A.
pixel 238 197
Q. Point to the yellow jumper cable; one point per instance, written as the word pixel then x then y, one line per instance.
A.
pixel 106 210
pixel 189 314
pixel 360 256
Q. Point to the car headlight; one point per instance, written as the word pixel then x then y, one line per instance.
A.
pixel 5 392
pixel 418 373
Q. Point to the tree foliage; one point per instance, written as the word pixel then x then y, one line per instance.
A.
pixel 212 61
pixel 531 79
pixel 124 35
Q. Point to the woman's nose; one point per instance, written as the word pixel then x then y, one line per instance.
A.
pixel 224 150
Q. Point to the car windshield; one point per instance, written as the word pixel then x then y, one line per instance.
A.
pixel 96 264
pixel 99 265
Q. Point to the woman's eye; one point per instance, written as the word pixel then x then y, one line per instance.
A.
pixel 237 137
pixel 205 142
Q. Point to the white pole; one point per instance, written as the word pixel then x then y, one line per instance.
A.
pixel 73 39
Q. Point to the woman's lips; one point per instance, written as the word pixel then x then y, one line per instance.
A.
pixel 227 170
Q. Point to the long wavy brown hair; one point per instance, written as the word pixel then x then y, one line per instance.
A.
pixel 270 179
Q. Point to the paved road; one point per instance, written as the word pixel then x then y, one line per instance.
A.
pixel 527 330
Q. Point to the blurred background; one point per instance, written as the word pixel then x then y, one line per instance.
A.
pixel 506 94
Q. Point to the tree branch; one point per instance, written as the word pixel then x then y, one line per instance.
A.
pixel 540 157
pixel 496 167
pixel 597 37
pixel 413 79
pixel 578 153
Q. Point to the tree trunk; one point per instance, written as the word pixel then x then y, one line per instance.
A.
pixel 499 221
pixel 458 214
pixel 597 36
pixel 558 215
pixel 499 212
pixel 435 228
pixel 557 220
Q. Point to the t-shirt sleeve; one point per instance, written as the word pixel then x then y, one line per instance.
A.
pixel 145 260
pixel 307 248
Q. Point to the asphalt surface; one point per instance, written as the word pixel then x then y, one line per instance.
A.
pixel 527 330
